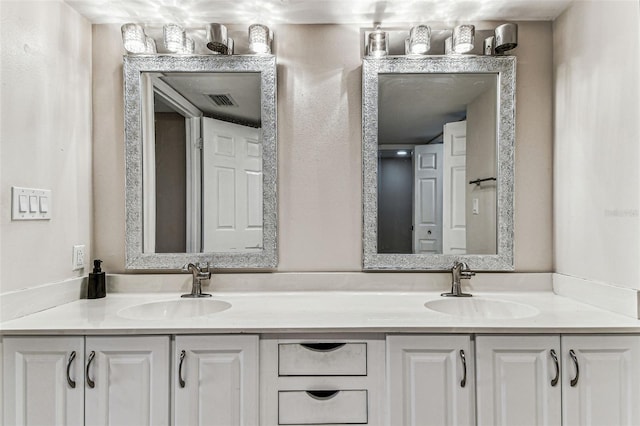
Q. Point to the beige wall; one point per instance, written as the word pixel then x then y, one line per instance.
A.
pixel 481 163
pixel 597 141
pixel 45 134
pixel 319 147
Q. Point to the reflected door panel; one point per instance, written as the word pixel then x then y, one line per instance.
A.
pixel 427 236
pixel 454 236
pixel 231 187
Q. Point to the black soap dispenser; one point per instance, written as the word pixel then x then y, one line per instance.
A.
pixel 96 288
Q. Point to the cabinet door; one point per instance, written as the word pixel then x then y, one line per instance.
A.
pixel 518 380
pixel 37 390
pixel 130 377
pixel 215 380
pixel 604 389
pixel 425 380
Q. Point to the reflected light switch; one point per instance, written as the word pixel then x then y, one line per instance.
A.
pixel 476 206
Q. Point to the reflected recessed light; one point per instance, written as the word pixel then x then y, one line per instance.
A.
pixel 402 152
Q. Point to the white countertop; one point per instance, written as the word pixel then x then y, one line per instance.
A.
pixel 321 311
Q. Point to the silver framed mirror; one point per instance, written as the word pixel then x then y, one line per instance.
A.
pixel 438 162
pixel 201 161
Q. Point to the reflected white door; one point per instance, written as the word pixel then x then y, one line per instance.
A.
pixel 231 187
pixel 427 217
pixel 454 232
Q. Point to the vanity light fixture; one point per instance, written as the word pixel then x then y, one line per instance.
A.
pixel 419 41
pixel 134 38
pixel 448 49
pixel 174 38
pixel 506 37
pixel 260 38
pixel 217 39
pixel 463 38
pixel 489 43
pixel 189 46
pixel 378 45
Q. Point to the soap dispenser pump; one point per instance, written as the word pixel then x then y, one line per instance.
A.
pixel 96 288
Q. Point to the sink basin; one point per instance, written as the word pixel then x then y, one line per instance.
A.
pixel 472 307
pixel 174 309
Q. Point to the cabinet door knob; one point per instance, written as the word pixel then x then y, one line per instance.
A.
pixel 554 381
pixel 574 381
pixel 180 379
pixel 72 383
pixel 463 382
pixel 90 382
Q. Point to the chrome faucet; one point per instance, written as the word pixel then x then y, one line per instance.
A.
pixel 199 274
pixel 460 271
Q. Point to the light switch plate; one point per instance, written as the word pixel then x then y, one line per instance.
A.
pixel 32 204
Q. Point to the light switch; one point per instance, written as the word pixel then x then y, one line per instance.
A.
pixel 33 203
pixel 23 205
pixel 44 204
pixel 476 206
pixel 30 203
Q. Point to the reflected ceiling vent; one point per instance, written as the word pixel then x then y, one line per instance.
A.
pixel 223 100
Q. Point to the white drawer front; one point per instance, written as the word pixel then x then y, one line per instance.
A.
pixel 304 408
pixel 322 359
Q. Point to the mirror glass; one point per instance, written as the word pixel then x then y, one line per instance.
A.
pixel 437 163
pixel 201 161
pixel 438 150
pixel 205 145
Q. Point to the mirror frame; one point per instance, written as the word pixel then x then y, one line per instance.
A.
pixel 505 68
pixel 133 66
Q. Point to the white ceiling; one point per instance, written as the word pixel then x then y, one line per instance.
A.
pixel 413 108
pixel 365 12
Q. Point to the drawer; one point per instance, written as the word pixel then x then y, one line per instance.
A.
pixel 322 407
pixel 322 359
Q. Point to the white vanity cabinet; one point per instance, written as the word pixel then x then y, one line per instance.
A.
pixel 127 381
pixel 43 380
pixel 430 380
pixel 601 380
pixel 109 380
pixel 598 380
pixel 215 380
pixel 518 380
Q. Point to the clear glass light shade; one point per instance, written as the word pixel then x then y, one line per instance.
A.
pixel 217 39
pixel 260 39
pixel 174 37
pixel 419 40
pixel 150 46
pixel 378 43
pixel 463 38
pixel 133 38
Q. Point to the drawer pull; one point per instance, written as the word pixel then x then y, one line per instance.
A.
pixel 90 382
pixel 72 383
pixel 463 382
pixel 554 381
pixel 574 381
pixel 322 395
pixel 180 379
pixel 322 347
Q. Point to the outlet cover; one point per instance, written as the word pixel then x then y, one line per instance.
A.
pixel 78 257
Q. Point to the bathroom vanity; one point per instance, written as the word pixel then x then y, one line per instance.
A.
pixel 294 358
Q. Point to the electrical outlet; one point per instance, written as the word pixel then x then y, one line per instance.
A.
pixel 78 258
